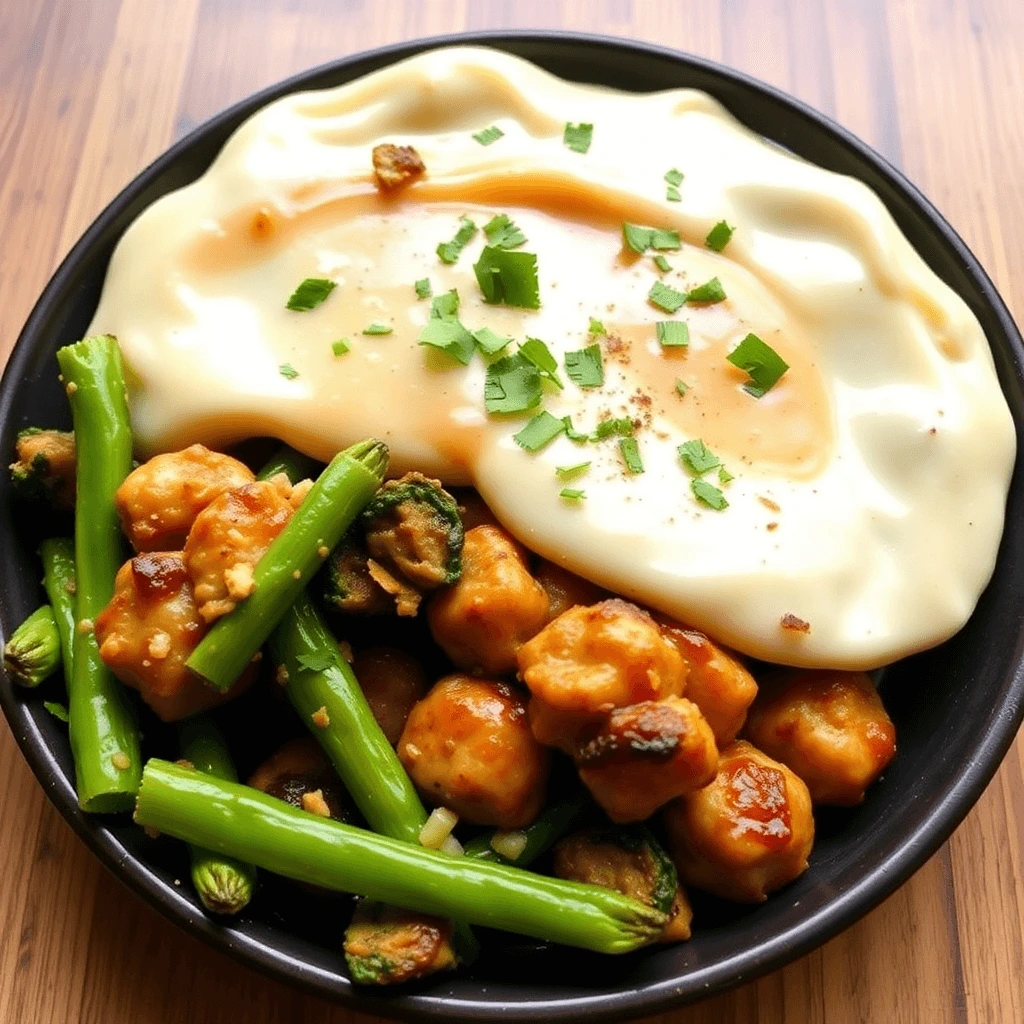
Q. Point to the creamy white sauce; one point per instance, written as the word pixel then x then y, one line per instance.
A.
pixel 870 483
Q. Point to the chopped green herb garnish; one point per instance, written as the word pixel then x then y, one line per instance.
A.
pixel 539 432
pixel 596 327
pixel 288 371
pixel 340 347
pixel 724 476
pixel 673 333
pixel 57 710
pixel 584 366
pixel 631 454
pixel 623 426
pixel 318 661
pixel 718 236
pixel 665 298
pixel 512 385
pixel 763 364
pixel 674 177
pixel 444 305
pixel 310 294
pixel 508 277
pixel 572 494
pixel 672 194
pixel 578 136
pixel 448 252
pixel 681 387
pixel 698 457
pixel 712 291
pixel 488 135
pixel 708 494
pixel 572 433
pixel 571 472
pixel 540 355
pixel 662 264
pixel 502 233
pixel 423 289
pixel 636 237
pixel 448 334
pixel 489 342
pixel 663 238
pixel 378 329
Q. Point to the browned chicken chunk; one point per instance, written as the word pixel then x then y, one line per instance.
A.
pixel 392 682
pixel 829 727
pixel 467 746
pixel 159 501
pixel 396 166
pixel 746 834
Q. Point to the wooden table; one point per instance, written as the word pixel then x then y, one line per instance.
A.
pixel 90 92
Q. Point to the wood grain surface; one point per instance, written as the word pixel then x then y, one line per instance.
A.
pixel 92 90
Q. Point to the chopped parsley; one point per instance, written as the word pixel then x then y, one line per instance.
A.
pixel 378 329
pixel 674 177
pixel 724 476
pixel 761 362
pixel 708 494
pixel 711 291
pixel 512 385
pixel 698 457
pixel 446 304
pixel 539 432
pixel 584 366
pixel 310 294
pixel 540 355
pixel 288 371
pixel 672 194
pixel 340 347
pixel 490 343
pixel 596 327
pixel 578 136
pixel 447 334
pixel 623 426
pixel 502 233
pixel 631 454
pixel 57 710
pixel 640 239
pixel 666 298
pixel 572 433
pixel 488 135
pixel 448 252
pixel 662 264
pixel 681 387
pixel 572 494
pixel 508 277
pixel 571 472
pixel 423 289
pixel 718 236
pixel 673 333
pixel 318 661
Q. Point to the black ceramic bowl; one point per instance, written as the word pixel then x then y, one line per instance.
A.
pixel 956 708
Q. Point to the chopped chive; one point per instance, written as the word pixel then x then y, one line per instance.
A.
pixel 512 385
pixel 502 233
pixel 673 333
pixel 539 432
pixel 724 476
pixel 447 334
pixel 718 236
pixel 378 329
pixel 310 294
pixel 674 177
pixel 708 494
pixel 761 362
pixel 631 454
pixel 710 291
pixel 423 289
pixel 681 387
pixel 57 710
pixel 636 237
pixel 571 472
pixel 623 426
pixel 672 194
pixel 698 457
pixel 540 355
pixel 488 135
pixel 340 347
pixel 596 327
pixel 448 252
pixel 508 277
pixel 572 494
pixel 572 433
pixel 584 366
pixel 665 298
pixel 578 136
pixel 662 264
pixel 288 371
pixel 444 305
pixel 489 342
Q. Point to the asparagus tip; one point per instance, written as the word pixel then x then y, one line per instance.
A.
pixel 371 454
pixel 223 887
pixel 33 652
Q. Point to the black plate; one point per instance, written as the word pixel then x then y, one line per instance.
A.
pixel 956 708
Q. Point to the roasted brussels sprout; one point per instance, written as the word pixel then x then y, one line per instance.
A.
pixel 45 467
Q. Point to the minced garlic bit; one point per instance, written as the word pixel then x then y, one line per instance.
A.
pixel 72 387
pixel 438 827
pixel 315 803
pixel 299 492
pixel 323 551
pixel 71 587
pixel 281 676
pixel 121 761
pixel 159 645
pixel 412 751
pixel 84 625
pixel 297 575
pixel 794 623
pixel 184 762
pixel 509 844
pixel 239 581
pixel 452 847
pixel 320 718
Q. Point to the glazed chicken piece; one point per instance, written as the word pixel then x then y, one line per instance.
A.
pixel 396 166
pixel 467 746
pixel 149 629
pixel 746 834
pixel 159 501
pixel 829 727
pixel 482 620
pixel 565 589
pixel 591 660
pixel 646 755
pixel 230 536
pixel 392 682
pixel 299 773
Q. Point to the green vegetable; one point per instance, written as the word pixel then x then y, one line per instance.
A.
pixel 640 239
pixel 698 457
pixel 489 343
pixel 631 454
pixel 444 305
pixel 58 557
pixel 423 289
pixel 488 135
pixel 572 494
pixel 554 821
pixel 293 464
pixel 718 236
pixel 338 496
pixel 449 252
pixel 572 433
pixel 724 476
pixel 571 472
pixel 681 387
pixel 662 264
pixel 596 327
pixel 665 298
pixel 104 740
pixel 508 277
pixel 448 335
pixel 711 291
pixel 340 347
pixel 708 494
pixel 539 432
pixel 673 333
pixel 674 177
pixel 501 232
pixel 761 362
pixel 512 385
pixel 223 884
pixel 59 711
pixel 44 470
pixel 242 822
pixel 578 136
pixel 623 426
pixel 540 355
pixel 377 329
pixel 288 371
pixel 33 652
pixel 672 194
pixel 310 294
pixel 584 366
pixel 348 586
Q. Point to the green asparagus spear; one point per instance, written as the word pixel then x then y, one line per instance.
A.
pixel 33 652
pixel 242 822
pixel 553 823
pixel 293 464
pixel 224 884
pixel 104 740
pixel 337 497
pixel 58 557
